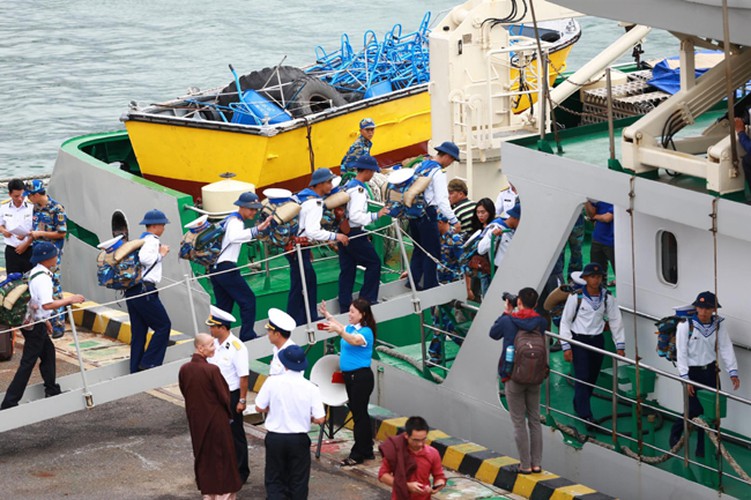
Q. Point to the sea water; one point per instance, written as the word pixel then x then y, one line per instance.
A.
pixel 71 68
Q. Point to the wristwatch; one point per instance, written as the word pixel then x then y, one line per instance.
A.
pixel 242 401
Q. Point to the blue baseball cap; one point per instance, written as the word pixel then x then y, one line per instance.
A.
pixel 706 300
pixel 321 175
pixel 367 123
pixel 450 149
pixel 34 187
pixel 249 200
pixel 366 162
pixel 293 357
pixel 591 269
pixel 154 216
pixel 42 251
pixel 515 211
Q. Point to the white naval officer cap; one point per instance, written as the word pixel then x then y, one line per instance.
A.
pixel 112 244
pixel 280 320
pixel 198 223
pixel 218 317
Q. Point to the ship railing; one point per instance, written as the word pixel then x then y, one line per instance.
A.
pixel 646 449
pixel 479 124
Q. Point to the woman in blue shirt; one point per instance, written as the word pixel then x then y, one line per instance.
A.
pixel 356 352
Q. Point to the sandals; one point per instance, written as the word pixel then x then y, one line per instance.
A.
pixel 349 462
pixel 533 470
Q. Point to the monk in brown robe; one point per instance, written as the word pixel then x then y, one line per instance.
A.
pixel 207 404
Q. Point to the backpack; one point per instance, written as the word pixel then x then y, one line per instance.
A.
pixel 666 332
pixel 530 358
pixel 284 223
pixel 121 269
pixel 203 245
pixel 15 297
pixel 407 198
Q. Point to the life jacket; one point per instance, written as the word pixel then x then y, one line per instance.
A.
pixel 15 297
pixel 120 268
pixel 203 245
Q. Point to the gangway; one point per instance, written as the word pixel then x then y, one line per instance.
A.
pixel 114 382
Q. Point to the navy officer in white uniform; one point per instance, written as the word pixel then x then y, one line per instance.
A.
pixel 292 403
pixel 360 251
pixel 279 329
pixel 695 348
pixel 17 214
pixel 311 212
pixel 584 319
pixel 424 231
pixel 229 285
pixel 231 356
pixel 147 311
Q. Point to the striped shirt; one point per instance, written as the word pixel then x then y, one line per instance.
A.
pixel 464 210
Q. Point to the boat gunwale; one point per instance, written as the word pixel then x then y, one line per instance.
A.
pixel 268 131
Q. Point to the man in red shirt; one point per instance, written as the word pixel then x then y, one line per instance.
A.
pixel 408 463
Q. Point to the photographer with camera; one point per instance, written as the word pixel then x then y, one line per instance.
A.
pixel 522 370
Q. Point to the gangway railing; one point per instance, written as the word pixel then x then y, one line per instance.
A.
pixel 647 450
pixel 114 382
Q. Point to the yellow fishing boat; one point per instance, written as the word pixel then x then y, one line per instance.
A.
pixel 287 122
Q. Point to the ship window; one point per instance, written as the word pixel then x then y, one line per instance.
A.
pixel 668 257
pixel 120 224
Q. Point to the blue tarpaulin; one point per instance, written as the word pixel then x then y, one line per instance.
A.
pixel 668 79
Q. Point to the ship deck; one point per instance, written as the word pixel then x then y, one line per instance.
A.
pixel 590 144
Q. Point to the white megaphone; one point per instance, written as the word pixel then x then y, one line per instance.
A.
pixel 332 393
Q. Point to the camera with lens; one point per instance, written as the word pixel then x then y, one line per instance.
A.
pixel 510 297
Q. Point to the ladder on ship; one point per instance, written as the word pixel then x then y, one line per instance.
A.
pixel 97 386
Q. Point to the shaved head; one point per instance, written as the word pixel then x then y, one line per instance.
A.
pixel 202 339
pixel 204 344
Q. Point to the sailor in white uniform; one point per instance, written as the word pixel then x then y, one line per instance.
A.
pixel 583 319
pixel 231 356
pixel 279 329
pixel 360 250
pixel 695 348
pixel 229 285
pixel 424 230
pixel 147 311
pixel 311 212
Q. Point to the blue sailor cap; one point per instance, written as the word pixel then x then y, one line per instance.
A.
pixel 321 175
pixel 591 269
pixel 515 211
pixel 450 149
pixel 293 358
pixel 154 217
pixel 249 200
pixel 42 251
pixel 366 162
pixel 707 300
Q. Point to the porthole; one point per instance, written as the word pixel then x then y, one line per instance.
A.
pixel 668 255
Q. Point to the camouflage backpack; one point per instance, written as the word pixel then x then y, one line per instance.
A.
pixel 15 296
pixel 203 245
pixel 120 269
